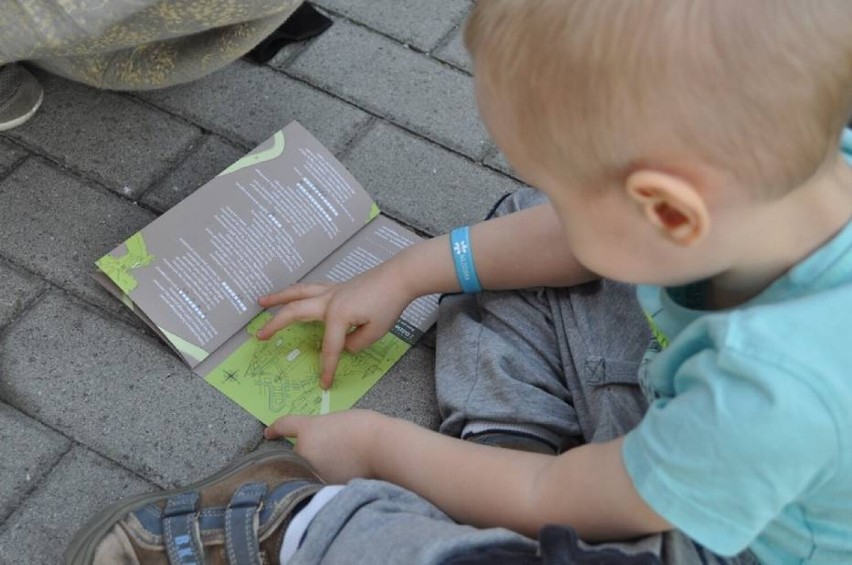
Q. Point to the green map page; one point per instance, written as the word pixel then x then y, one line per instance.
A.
pixel 280 376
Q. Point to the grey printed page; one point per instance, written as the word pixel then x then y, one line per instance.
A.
pixel 375 244
pixel 262 224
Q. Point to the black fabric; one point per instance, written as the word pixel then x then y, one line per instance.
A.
pixel 305 23
pixel 497 204
pixel 11 79
pixel 513 439
pixel 559 545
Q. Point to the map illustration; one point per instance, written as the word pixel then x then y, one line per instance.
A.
pixel 281 375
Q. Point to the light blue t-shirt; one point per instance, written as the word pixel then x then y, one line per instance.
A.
pixel 748 440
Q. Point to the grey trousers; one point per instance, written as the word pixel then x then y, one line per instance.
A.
pixel 553 363
pixel 558 365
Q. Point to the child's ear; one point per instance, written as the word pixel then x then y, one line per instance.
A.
pixel 671 204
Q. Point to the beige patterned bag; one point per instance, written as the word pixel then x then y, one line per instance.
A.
pixel 135 44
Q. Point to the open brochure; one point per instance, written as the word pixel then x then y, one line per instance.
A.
pixel 287 212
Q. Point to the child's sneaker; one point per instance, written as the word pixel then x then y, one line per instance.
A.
pixel 20 96
pixel 237 516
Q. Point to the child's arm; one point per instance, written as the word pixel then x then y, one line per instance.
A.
pixel 518 250
pixel 586 488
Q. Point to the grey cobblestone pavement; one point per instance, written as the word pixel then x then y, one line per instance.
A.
pixel 92 406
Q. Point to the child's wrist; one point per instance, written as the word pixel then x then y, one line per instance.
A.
pixel 401 275
pixel 374 436
pixel 414 271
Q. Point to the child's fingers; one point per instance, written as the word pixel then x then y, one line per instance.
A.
pixel 332 346
pixel 298 291
pixel 363 337
pixel 308 310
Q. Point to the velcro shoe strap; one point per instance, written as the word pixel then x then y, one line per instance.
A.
pixel 241 522
pixel 180 530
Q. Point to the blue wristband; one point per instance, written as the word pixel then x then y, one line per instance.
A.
pixel 463 259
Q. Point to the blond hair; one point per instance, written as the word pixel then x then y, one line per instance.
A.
pixel 758 88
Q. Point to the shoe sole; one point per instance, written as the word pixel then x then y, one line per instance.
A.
pixel 23 119
pixel 81 550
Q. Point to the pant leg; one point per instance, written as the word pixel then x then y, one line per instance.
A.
pixel 378 522
pixel 557 364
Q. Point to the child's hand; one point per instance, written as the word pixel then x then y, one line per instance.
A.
pixel 356 313
pixel 337 445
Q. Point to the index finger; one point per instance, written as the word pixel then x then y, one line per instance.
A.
pixel 332 346
pixel 307 310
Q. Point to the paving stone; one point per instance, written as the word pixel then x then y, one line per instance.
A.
pixel 81 485
pixel 211 158
pixel 9 155
pixel 407 87
pixel 16 290
pixel 422 184
pixel 455 53
pixel 132 400
pixel 104 135
pixel 53 225
pixel 408 390
pixel 28 450
pixel 247 104
pixel 286 54
pixel 415 22
pixel 498 161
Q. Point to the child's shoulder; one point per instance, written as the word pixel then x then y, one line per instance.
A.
pixel 793 354
pixel 810 331
pixel 807 305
